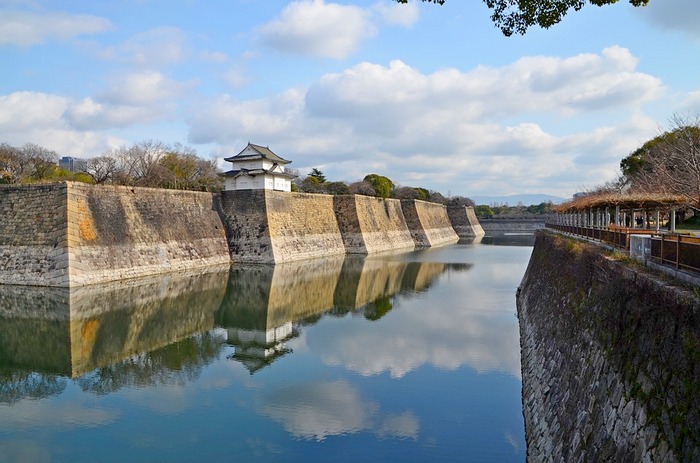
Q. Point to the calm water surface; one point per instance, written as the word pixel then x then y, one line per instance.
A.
pixel 411 357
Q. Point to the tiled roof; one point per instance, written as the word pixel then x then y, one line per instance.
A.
pixel 262 152
pixel 254 172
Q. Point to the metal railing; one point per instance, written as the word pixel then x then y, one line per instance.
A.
pixel 615 236
pixel 681 251
pixel 670 249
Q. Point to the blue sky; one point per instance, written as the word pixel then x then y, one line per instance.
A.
pixel 430 96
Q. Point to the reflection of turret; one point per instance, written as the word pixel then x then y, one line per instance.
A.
pixel 261 303
pixel 72 331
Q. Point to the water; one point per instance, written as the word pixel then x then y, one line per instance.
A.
pixel 411 357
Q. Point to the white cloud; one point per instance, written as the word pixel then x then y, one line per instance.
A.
pixel 396 13
pixel 145 88
pixel 464 131
pixel 46 120
pixel 152 48
pixel 317 28
pixel 26 29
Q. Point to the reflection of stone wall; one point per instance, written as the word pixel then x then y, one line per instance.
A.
pixel 610 359
pixel 371 225
pixel 428 223
pixel 74 331
pixel 464 221
pixel 33 245
pixel 418 276
pixel 265 297
pixel 364 280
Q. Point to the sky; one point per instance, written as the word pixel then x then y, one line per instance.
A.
pixel 429 96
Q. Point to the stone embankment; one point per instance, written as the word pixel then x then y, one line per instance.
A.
pixel 610 359
pixel 372 225
pixel 72 234
pixel 495 226
pixel 428 223
pixel 464 222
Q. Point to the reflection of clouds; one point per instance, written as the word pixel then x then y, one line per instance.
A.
pixel 25 451
pixel 468 321
pixel 319 410
pixel 49 413
pixel 165 399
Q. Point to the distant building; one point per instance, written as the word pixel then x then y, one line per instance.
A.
pixel 258 168
pixel 72 164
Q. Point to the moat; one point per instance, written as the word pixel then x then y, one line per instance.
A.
pixel 401 357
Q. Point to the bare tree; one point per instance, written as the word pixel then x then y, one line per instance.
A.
pixel 670 163
pixel 12 164
pixel 101 169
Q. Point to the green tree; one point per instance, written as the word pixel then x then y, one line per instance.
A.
pixel 336 188
pixel 483 211
pixel 516 16
pixel 382 185
pixel 310 185
pixel 317 174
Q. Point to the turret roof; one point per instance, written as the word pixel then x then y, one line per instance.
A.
pixel 261 152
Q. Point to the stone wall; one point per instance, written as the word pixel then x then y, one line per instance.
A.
pixel 515 225
pixel 372 225
pixel 610 358
pixel 428 223
pixel 73 234
pixel 464 221
pixel 117 232
pixel 33 235
pixel 273 227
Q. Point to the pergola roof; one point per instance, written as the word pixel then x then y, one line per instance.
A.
pixel 627 201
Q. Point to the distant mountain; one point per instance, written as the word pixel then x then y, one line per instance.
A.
pixel 513 200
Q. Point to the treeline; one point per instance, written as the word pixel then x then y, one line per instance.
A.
pixel 373 185
pixel 505 211
pixel 147 163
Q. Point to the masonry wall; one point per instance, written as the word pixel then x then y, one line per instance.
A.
pixel 33 235
pixel 372 225
pixel 515 225
pixel 274 227
pixel 117 232
pixel 610 358
pixel 464 221
pixel 428 223
pixel 303 226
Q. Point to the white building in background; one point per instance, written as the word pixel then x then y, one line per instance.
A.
pixel 258 168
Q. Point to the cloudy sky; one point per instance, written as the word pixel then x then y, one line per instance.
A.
pixel 430 96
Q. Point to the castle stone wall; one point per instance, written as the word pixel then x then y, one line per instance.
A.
pixel 372 225
pixel 272 227
pixel 464 221
pixel 428 223
pixel 73 234
pixel 33 235
pixel 117 232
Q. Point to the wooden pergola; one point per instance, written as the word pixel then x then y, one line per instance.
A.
pixel 620 210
